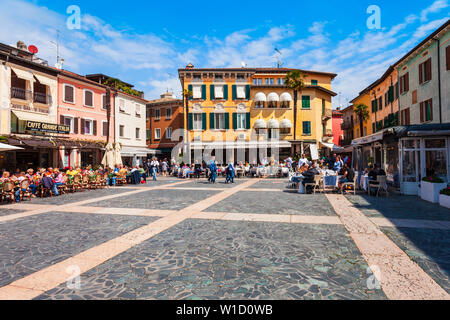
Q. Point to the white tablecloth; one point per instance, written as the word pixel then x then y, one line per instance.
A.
pixel 363 182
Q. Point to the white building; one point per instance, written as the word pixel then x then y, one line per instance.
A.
pixel 130 128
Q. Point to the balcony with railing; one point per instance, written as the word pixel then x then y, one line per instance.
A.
pixel 21 93
pixel 43 98
pixel 326 114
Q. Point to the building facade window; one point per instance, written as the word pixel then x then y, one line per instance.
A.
pixel 121 105
pixel 306 102
pixel 68 121
pixel 87 127
pixel 241 121
pixel 103 101
pixel 157 114
pixel 425 71
pixel 197 121
pixel 404 83
pixel 169 133
pixel 197 92
pixel 280 81
pixel 306 127
pixel 121 131
pixel 219 121
pixel 157 134
pixel 104 128
pixel 168 113
pixel 138 110
pixel 314 82
pixel 426 111
pixel 88 98
pixel 69 93
pixel 138 133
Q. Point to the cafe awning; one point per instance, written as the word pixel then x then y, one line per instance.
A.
pixel 44 80
pixel 32 116
pixel 22 74
pixel 137 151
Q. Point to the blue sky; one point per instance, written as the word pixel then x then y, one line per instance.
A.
pixel 145 42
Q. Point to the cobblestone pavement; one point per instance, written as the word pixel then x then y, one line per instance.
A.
pixel 175 242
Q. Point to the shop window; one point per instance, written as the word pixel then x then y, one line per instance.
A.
pixel 436 163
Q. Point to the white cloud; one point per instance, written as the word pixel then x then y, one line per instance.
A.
pixel 437 6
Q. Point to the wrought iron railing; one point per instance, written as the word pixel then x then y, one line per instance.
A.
pixel 20 93
pixel 42 98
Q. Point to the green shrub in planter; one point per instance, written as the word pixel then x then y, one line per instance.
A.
pixel 445 191
pixel 433 180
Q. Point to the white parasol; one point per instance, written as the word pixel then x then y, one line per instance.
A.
pixel 117 155
pixel 7 147
pixel 108 158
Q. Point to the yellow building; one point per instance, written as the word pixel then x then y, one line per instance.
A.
pixel 273 104
pixel 247 114
pixel 363 98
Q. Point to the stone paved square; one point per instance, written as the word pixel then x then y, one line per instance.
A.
pixel 32 243
pixel 232 260
pixel 299 248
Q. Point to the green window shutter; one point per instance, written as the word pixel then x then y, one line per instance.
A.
pixel 190 90
pixel 203 91
pixel 314 82
pixel 234 120
pixel 211 92
pixel 247 92
pixel 211 120
pixel 234 93
pixel 247 120
pixel 373 106
pixel 376 105
pixel 306 127
pixel 391 94
pixel 227 120
pixel 203 121
pixel 306 102
pixel 225 92
pixel 191 121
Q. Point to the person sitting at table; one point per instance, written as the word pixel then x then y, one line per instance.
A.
pixel 347 176
pixel 309 176
pixel 34 181
pixel 197 169
pixel 338 164
pixel 303 160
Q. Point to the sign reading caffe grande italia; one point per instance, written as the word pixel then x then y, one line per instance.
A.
pixel 47 127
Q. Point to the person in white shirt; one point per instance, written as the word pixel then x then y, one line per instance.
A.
pixel 154 165
pixel 303 160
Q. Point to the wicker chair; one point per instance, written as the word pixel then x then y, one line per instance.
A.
pixel 318 181
pixel 77 184
pixel 8 191
pixel 121 180
pixel 25 190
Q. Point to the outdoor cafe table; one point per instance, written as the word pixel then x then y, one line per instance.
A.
pixel 299 180
pixel 364 182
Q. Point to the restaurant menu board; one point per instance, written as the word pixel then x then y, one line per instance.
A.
pixel 47 127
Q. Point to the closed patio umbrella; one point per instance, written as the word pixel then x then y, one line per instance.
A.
pixel 7 147
pixel 108 158
pixel 117 155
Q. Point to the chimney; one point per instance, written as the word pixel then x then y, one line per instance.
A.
pixel 21 45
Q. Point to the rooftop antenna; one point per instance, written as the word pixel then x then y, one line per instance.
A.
pixel 59 60
pixel 279 63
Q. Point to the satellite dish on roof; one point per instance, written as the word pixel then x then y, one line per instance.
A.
pixel 33 49
pixel 243 64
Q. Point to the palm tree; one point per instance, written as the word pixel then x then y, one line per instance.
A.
pixel 295 80
pixel 187 94
pixel 362 112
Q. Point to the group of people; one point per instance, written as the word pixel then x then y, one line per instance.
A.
pixel 309 169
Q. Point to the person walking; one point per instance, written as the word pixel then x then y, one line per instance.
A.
pixel 154 167
pixel 230 173
pixel 213 170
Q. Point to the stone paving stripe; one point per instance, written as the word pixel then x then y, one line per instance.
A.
pixel 68 207
pixel 41 281
pixel 399 276
pixel 196 189
pixel 412 223
pixel 265 190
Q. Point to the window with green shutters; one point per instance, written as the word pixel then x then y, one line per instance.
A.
pixel 314 82
pixel 190 90
pixel 391 94
pixel 211 120
pixel 203 121
pixel 247 121
pixel 234 92
pixel 306 127
pixel 227 121
pixel 190 121
pixel 203 91
pixel 235 124
pixel 225 92
pixel 247 92
pixel 380 103
pixel 211 92
pixel 306 102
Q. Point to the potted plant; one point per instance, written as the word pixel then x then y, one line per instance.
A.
pixel 430 188
pixel 444 198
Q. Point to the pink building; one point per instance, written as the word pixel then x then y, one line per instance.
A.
pixel 338 134
pixel 82 106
